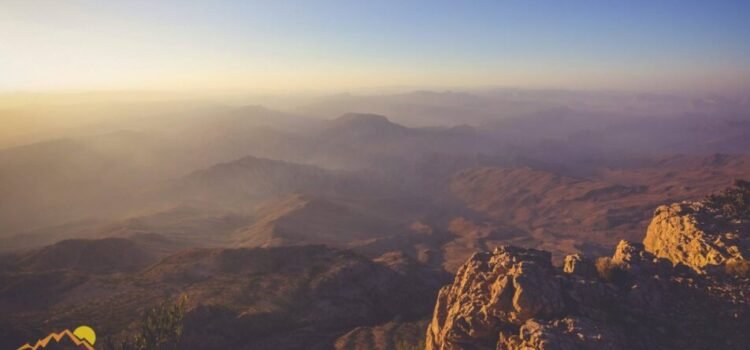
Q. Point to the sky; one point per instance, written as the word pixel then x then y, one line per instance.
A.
pixel 80 45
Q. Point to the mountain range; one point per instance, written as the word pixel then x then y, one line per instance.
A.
pixel 319 228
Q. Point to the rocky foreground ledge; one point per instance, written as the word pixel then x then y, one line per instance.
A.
pixel 685 288
pixel 690 234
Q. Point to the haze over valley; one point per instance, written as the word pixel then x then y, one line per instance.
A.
pixel 250 189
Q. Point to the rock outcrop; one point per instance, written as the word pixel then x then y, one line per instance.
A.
pixel 663 294
pixel 514 298
pixel 579 265
pixel 511 285
pixel 689 233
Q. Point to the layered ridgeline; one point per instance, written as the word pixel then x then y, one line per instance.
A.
pixel 686 287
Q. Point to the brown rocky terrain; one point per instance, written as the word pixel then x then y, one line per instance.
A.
pixel 642 297
pixel 302 219
pixel 396 335
pixel 590 214
pixel 713 232
pixel 283 298
pixel 233 208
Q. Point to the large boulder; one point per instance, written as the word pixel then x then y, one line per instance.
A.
pixel 689 233
pixel 509 286
pixel 514 298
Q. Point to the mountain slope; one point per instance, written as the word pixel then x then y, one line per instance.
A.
pixel 299 220
pixel 91 256
pixel 571 214
pixel 642 297
pixel 367 141
pixel 281 298
pixel 245 181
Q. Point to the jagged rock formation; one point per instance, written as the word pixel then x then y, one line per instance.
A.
pixel 580 265
pixel 512 298
pixel 643 297
pixel 690 233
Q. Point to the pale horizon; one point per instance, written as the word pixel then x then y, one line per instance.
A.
pixel 375 175
pixel 336 47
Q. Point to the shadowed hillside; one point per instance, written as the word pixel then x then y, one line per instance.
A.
pixel 306 295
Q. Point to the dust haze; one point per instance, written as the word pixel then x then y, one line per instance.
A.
pixel 304 195
pixel 86 167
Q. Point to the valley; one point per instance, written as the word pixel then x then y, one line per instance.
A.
pixel 289 232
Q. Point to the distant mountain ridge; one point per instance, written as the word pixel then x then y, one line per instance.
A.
pixel 559 211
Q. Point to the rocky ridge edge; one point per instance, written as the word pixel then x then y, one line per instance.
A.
pixel 672 292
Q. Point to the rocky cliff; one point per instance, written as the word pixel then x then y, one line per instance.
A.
pixel 675 291
pixel 702 235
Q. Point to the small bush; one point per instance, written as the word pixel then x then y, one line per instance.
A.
pixel 160 329
pixel 610 272
pixel 738 268
pixel 162 326
pixel 732 203
pixel 604 268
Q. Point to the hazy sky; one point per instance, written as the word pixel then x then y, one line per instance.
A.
pixel 336 45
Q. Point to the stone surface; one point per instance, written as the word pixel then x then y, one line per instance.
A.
pixel 580 265
pixel 687 233
pixel 642 297
pixel 565 334
pixel 510 284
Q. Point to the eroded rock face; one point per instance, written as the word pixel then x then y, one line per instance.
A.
pixel 690 234
pixel 579 265
pixel 508 286
pixel 570 333
pixel 686 287
pixel 514 298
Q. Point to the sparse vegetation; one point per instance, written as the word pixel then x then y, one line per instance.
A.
pixel 160 329
pixel 609 271
pixel 738 268
pixel 162 326
pixel 733 203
